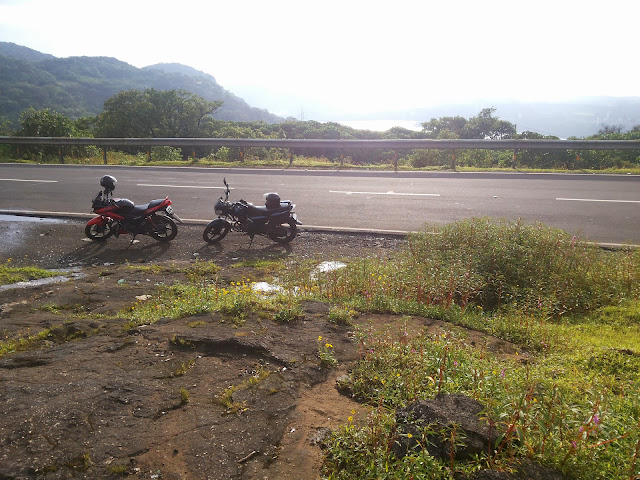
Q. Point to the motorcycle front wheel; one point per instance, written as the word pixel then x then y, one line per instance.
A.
pixel 216 231
pixel 285 232
pixel 98 232
pixel 162 228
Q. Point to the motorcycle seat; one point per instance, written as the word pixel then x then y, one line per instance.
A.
pixel 284 207
pixel 139 209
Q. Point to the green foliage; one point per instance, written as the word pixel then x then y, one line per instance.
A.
pixel 9 274
pixel 341 315
pixel 326 353
pixel 495 265
pixel 48 123
pixel 154 113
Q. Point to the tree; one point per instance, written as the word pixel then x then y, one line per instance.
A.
pixel 444 127
pixel 154 113
pixel 45 123
pixel 607 130
pixel 486 126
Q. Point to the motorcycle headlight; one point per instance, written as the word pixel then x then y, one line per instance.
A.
pixel 218 211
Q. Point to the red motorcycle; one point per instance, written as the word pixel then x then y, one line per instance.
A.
pixel 117 216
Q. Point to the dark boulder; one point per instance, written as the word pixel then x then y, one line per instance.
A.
pixel 448 425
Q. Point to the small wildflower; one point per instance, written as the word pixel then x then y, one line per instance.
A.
pixel 319 338
pixel 409 435
pixel 350 419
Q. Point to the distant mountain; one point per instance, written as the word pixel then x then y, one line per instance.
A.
pixel 580 117
pixel 78 86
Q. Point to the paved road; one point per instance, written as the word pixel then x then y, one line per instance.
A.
pixel 606 208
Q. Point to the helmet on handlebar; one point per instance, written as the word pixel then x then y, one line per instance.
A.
pixel 272 200
pixel 108 182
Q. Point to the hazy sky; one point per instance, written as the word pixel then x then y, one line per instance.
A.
pixel 352 55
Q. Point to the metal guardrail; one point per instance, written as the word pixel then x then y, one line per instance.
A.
pixel 401 144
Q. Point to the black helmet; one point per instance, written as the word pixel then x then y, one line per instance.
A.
pixel 272 200
pixel 108 182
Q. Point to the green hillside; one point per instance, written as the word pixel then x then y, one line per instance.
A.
pixel 78 86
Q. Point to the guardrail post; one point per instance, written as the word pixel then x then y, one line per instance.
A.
pixel 242 155
pixel 290 157
pixel 395 162
pixel 194 154
pixel 149 154
pixel 342 159
pixel 453 160
pixel 104 155
pixel 60 157
pixel 515 159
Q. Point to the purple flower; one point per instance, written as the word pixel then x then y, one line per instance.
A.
pixel 596 419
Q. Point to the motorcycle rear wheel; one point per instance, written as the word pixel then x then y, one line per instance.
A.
pixel 98 232
pixel 285 232
pixel 163 228
pixel 216 231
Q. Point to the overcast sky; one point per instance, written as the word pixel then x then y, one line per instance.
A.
pixel 352 55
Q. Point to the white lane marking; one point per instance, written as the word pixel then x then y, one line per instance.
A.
pixel 596 200
pixel 23 180
pixel 177 186
pixel 346 192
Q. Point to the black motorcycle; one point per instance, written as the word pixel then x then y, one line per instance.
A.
pixel 275 220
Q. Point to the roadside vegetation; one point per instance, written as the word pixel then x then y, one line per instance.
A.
pixel 567 397
pixel 180 114
pixel 10 274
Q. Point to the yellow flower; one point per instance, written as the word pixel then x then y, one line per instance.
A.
pixel 328 345
pixel 350 419
pixel 319 338
pixel 409 435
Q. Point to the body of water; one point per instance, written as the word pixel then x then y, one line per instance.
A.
pixel 381 125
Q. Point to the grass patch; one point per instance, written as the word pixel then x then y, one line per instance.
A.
pixel 234 301
pixel 10 274
pixel 24 343
pixel 572 309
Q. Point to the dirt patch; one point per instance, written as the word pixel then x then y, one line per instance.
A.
pixel 192 398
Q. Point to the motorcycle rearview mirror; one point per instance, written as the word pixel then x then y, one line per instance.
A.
pixel 227 189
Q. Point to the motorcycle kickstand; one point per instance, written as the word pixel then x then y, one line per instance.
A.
pixel 251 235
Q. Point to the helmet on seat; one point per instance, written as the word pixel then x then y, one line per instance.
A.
pixel 272 200
pixel 108 182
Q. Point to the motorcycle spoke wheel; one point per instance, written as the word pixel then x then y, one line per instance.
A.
pixel 284 233
pixel 215 232
pixel 162 228
pixel 99 232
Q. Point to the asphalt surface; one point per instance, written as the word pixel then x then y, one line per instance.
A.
pixel 604 208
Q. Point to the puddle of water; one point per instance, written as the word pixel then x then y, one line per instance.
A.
pixel 325 267
pixel 21 218
pixel 265 287
pixel 67 275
